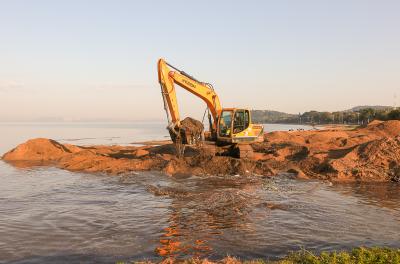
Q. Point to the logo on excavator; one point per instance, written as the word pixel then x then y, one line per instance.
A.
pixel 189 83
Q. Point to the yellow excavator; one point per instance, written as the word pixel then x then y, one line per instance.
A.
pixel 230 127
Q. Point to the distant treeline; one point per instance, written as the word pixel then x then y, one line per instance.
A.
pixel 356 115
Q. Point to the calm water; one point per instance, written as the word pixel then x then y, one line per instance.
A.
pixel 50 215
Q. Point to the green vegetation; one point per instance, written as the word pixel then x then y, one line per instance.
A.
pixel 356 256
pixel 356 115
pixel 268 116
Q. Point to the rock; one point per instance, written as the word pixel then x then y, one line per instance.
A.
pixel 298 172
pixel 141 152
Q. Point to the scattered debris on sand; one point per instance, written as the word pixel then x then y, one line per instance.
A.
pixel 364 154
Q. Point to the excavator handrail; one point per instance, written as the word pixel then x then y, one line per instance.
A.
pixel 183 73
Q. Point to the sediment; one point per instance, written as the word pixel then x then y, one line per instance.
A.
pixel 364 154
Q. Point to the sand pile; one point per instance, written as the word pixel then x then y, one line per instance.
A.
pixel 377 160
pixel 370 153
pixel 40 149
pixel 389 128
pixel 108 159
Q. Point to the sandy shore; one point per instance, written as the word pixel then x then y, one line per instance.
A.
pixel 365 154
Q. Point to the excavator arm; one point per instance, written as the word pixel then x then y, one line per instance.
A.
pixel 229 126
pixel 168 78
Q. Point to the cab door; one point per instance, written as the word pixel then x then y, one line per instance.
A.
pixel 241 120
pixel 224 129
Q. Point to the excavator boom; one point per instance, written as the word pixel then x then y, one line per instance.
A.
pixel 229 126
pixel 168 78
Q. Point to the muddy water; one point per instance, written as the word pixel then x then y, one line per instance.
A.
pixel 49 215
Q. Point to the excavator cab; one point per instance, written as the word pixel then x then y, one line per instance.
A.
pixel 234 126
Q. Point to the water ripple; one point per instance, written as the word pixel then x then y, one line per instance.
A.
pixel 49 214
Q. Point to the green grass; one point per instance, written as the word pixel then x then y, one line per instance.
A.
pixel 356 256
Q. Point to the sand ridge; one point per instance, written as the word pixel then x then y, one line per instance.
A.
pixel 365 154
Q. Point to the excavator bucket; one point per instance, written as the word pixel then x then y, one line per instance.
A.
pixel 189 132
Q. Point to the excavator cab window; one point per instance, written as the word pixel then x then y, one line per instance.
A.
pixel 241 121
pixel 246 119
pixel 225 124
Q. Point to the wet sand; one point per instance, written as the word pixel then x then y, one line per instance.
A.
pixel 364 154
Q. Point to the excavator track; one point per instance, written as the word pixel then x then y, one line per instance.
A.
pixel 245 151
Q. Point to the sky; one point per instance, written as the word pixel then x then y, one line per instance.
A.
pixel 96 60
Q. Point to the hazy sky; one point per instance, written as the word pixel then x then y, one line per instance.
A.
pixel 97 59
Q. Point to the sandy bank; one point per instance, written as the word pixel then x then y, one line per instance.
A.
pixel 364 154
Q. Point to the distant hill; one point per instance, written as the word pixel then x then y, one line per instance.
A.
pixel 355 115
pixel 375 107
pixel 270 116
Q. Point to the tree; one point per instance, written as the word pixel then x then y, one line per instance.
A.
pixel 394 114
pixel 326 117
pixel 367 115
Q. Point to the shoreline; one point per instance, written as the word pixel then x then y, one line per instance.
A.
pixel 365 255
pixel 363 154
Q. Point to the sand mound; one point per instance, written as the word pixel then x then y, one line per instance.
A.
pixel 389 128
pixel 370 153
pixel 39 149
pixel 377 160
pixel 364 154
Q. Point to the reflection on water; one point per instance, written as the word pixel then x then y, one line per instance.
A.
pixel 384 195
pixel 200 213
pixel 49 214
